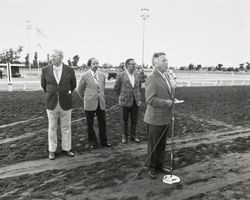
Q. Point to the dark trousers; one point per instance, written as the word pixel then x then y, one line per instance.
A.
pixel 156 156
pixel 90 115
pixel 131 111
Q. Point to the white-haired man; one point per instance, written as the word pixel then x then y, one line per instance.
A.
pixel 159 95
pixel 58 82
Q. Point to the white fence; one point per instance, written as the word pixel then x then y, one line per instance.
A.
pixel 31 80
pixel 212 82
pixel 35 84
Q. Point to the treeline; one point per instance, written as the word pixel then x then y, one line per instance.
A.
pixel 219 67
pixel 13 56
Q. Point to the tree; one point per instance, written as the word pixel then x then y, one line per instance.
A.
pixel 122 66
pixel 241 67
pixel 191 66
pixel 84 66
pixel 35 61
pixel 76 59
pixel 10 55
pixel 219 67
pixel 198 67
pixel 27 62
pixel 106 66
pixel 247 66
pixel 69 62
pixel 230 69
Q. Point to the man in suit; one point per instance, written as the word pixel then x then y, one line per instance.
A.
pixel 159 95
pixel 91 90
pixel 127 86
pixel 58 82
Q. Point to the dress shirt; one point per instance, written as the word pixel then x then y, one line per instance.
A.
pixel 131 78
pixel 59 71
pixel 95 76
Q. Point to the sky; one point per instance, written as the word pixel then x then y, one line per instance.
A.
pixel 204 32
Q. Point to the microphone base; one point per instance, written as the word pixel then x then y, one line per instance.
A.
pixel 170 179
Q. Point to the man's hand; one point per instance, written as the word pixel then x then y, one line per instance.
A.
pixel 169 103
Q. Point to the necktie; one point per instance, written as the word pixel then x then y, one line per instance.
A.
pixel 96 81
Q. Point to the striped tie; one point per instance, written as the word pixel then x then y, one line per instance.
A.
pixel 96 81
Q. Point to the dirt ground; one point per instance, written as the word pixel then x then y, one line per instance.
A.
pixel 212 151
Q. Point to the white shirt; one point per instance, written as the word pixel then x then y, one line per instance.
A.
pixel 131 78
pixel 167 81
pixel 59 70
pixel 93 74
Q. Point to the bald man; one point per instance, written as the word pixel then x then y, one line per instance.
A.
pixel 58 82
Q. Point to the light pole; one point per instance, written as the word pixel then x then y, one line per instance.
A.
pixel 29 28
pixel 144 16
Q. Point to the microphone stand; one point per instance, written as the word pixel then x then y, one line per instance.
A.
pixel 171 179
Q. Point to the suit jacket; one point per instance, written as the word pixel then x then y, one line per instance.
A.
pixel 157 91
pixel 126 92
pixel 90 92
pixel 63 90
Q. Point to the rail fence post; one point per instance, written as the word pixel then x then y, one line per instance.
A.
pixel 220 82
pixel 10 86
pixel 243 83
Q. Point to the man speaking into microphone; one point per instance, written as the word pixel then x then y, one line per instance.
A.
pixel 159 95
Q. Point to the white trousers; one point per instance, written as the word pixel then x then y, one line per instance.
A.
pixel 65 121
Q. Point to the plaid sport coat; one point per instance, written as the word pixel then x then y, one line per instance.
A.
pixel 126 92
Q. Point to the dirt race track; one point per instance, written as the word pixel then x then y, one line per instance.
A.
pixel 212 151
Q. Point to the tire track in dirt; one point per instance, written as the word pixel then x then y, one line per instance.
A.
pixel 28 120
pixel 31 167
pixel 21 122
pixel 98 155
pixel 219 176
pixel 26 135
pixel 30 134
pixel 211 122
pixel 213 137
pixel 195 180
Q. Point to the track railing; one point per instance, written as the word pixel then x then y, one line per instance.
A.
pixel 35 84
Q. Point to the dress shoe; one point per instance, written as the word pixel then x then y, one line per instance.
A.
pixel 124 140
pixel 135 139
pixel 152 174
pixel 106 144
pixel 164 170
pixel 70 153
pixel 52 156
pixel 92 147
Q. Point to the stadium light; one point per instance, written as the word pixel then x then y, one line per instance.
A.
pixel 144 17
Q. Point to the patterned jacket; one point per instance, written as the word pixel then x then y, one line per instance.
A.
pixel 126 92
